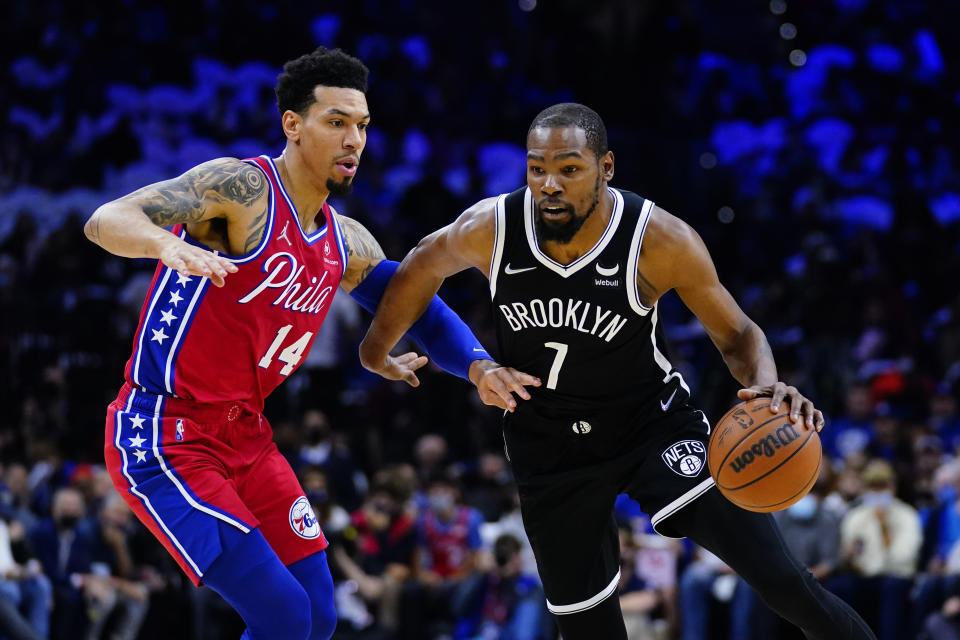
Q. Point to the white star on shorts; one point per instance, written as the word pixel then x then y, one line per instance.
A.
pixel 138 441
pixel 141 455
pixel 137 421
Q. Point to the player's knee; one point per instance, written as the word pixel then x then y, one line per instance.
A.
pixel 323 619
pixel 291 615
pixel 313 575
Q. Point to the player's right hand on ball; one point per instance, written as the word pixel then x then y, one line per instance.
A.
pixel 496 384
pixel 189 260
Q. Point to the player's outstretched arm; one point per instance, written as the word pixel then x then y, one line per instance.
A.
pixel 409 300
pixel 680 252
pixel 364 254
pixel 132 226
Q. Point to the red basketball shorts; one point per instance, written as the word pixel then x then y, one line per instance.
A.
pixel 189 469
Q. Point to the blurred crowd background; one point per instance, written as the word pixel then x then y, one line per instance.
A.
pixel 814 146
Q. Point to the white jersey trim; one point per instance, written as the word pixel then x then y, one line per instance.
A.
pixel 293 210
pixel 186 495
pixel 187 318
pixel 589 603
pixel 271 216
pixel 680 503
pixel 143 497
pixel 499 239
pixel 161 285
pixel 633 259
pixel 661 359
pixel 338 234
pixel 567 270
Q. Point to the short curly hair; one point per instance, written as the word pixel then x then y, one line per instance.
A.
pixel 571 114
pixel 327 67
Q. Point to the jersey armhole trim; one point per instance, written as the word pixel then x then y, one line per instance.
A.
pixel 499 239
pixel 268 230
pixel 332 221
pixel 633 259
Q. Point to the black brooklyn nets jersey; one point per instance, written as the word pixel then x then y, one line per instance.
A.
pixel 581 328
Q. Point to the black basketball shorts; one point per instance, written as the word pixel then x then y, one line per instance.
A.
pixel 569 473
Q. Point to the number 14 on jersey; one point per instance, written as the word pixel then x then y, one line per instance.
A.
pixel 290 355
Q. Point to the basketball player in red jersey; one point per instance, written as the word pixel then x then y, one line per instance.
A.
pixel 186 443
pixel 576 268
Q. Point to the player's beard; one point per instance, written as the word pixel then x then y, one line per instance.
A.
pixel 340 188
pixel 563 232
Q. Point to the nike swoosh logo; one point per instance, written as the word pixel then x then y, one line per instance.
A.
pixel 666 405
pixel 478 348
pixel 510 271
pixel 611 271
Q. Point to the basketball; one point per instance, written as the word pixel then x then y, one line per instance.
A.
pixel 761 461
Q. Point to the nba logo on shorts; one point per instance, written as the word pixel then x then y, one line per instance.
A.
pixel 302 519
pixel 179 429
pixel 686 457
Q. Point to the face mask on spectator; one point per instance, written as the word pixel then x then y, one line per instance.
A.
pixel 441 502
pixel 502 556
pixel 877 498
pixel 804 508
pixel 67 521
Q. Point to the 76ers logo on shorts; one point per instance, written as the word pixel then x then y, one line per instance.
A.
pixel 686 457
pixel 302 519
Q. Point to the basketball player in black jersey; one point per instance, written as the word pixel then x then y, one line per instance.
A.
pixel 576 268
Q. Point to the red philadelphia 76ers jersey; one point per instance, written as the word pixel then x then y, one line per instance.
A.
pixel 238 342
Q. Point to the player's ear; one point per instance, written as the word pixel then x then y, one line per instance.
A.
pixel 606 166
pixel 291 121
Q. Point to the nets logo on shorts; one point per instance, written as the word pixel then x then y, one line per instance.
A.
pixel 685 458
pixel 302 519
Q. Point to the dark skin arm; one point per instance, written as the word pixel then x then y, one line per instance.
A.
pixel 363 254
pixel 674 257
pixel 466 242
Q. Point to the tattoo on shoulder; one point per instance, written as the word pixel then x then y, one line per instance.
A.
pixel 362 248
pixel 256 230
pixel 185 199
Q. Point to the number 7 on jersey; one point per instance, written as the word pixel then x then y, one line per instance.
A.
pixel 557 362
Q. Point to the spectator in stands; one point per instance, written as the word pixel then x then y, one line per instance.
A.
pixel 706 583
pixel 113 590
pixel 939 556
pixel 321 449
pixel 15 496
pixel 880 539
pixel 385 538
pixel 448 546
pixel 639 600
pixel 64 550
pixel 812 533
pixel 500 601
pixel 26 594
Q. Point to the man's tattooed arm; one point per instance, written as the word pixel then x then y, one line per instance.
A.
pixel 222 188
pixel 363 252
pixel 201 193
